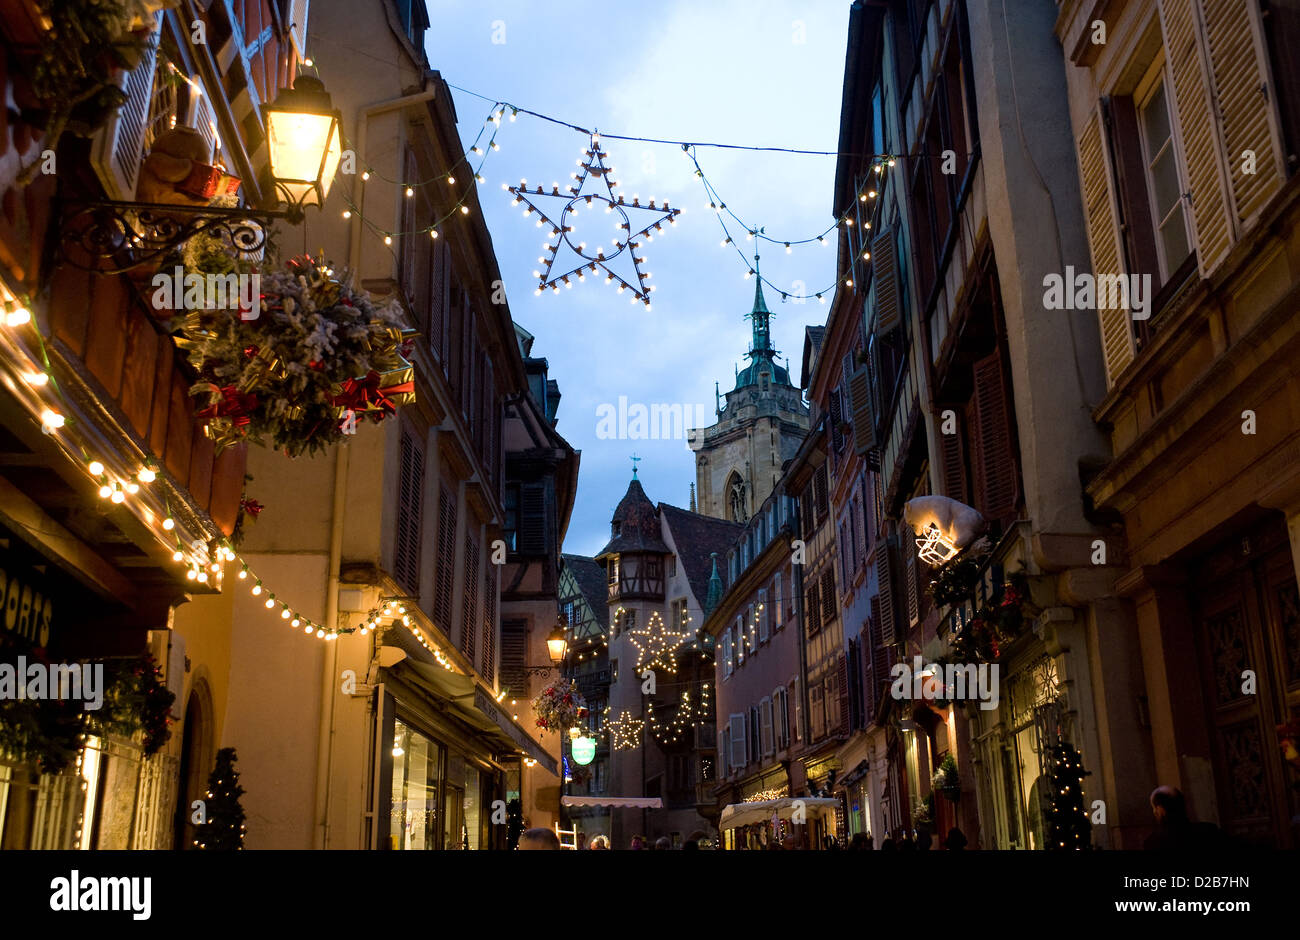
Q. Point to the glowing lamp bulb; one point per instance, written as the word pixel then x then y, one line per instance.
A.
pixel 169 523
pixel 95 468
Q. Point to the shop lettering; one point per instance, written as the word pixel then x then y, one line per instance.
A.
pixel 75 893
pixel 26 611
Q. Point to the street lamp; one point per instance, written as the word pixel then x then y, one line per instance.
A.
pixel 557 645
pixel 303 136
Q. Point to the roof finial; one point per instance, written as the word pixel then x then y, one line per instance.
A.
pixel 635 461
pixel 693 509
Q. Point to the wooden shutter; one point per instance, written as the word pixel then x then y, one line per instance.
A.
pixel 884 267
pixel 765 713
pixel 410 489
pixel 118 148
pixel 819 488
pixel 1103 240
pixel 910 575
pixel 842 688
pixel 885 580
pixel 763 616
pixel 738 742
pixel 812 608
pixel 532 519
pixel 446 560
pixel 837 421
pixel 995 471
pixel 1244 94
pixel 514 653
pixel 864 422
pixel 1198 126
pixel 469 610
pixel 952 447
pixel 489 622
pixel 798 710
pixel 829 599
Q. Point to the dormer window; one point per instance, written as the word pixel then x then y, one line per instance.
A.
pixel 617 528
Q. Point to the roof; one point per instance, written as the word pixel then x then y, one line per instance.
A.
pixel 697 537
pixel 590 578
pixel 761 354
pixel 638 525
pixel 813 338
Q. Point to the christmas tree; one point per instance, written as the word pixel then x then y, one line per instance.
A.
pixel 1068 825
pixel 223 827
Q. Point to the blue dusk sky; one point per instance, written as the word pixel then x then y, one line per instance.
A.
pixel 765 74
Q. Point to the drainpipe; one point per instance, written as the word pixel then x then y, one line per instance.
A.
pixel 330 675
pixel 364 115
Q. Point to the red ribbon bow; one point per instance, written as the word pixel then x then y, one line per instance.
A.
pixel 232 404
pixel 370 395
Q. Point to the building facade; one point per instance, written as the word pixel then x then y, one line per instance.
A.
pixel 1186 127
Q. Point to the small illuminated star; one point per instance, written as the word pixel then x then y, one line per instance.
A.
pixel 656 648
pixel 624 731
pixel 562 233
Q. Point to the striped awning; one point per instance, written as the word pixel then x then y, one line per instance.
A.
pixel 629 802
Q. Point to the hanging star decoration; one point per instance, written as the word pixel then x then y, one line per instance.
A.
pixel 624 731
pixel 562 240
pixel 656 645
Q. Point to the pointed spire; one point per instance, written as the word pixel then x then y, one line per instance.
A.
pixel 693 509
pixel 714 596
pixel 760 317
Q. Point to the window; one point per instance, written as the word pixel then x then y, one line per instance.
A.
pixel 765 717
pixel 679 614
pixel 828 596
pixel 763 615
pixel 728 658
pixel 1164 185
pixel 613 570
pixel 738 757
pixel 442 604
pixel 512 516
pixel 812 608
pixel 777 612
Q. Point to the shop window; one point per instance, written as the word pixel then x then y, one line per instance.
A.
pixel 417 773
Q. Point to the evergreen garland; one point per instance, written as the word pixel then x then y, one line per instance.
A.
pixel 223 827
pixel 1068 825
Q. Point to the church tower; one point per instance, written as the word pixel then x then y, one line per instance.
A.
pixel 764 420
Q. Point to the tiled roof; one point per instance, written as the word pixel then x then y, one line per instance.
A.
pixel 591 581
pixel 697 537
pixel 639 525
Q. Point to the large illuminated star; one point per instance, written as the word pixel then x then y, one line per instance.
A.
pixel 656 645
pixel 562 239
pixel 624 732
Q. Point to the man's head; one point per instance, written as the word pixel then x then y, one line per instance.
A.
pixel 1168 805
pixel 538 839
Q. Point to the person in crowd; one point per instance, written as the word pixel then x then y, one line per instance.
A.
pixel 1174 828
pixel 956 840
pixel 905 843
pixel 861 842
pixel 923 838
pixel 638 843
pixel 692 843
pixel 600 843
pixel 888 845
pixel 663 843
pixel 538 840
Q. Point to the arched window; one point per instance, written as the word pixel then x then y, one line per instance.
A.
pixel 736 511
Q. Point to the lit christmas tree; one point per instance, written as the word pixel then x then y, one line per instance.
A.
pixel 223 828
pixel 1068 824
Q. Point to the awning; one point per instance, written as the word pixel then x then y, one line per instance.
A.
pixel 736 815
pixel 476 707
pixel 630 802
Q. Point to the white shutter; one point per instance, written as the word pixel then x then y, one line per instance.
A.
pixel 298 26
pixel 727 663
pixel 798 709
pixel 765 719
pixel 738 742
pixel 777 613
pixel 724 741
pixel 118 148
pixel 763 615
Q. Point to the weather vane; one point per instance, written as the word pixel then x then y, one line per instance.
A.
pixel 563 232
pixel 635 461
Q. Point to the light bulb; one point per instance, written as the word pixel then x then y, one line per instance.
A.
pixel 257 589
pixel 133 488
pixel 169 523
pixel 36 379
pixel 347 213
pixel 243 574
pixel 284 614
pixel 388 239
pixel 51 420
pixel 203 577
pixel 118 496
pixel 95 468
pixel 464 210
pixel 411 192
pixel 105 491
pixel 365 175
pixel 146 475
pixel 177 556
pixel 18 316
pixel 270 602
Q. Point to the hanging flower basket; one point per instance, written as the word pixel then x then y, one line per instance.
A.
pixel 560 706
pixel 319 357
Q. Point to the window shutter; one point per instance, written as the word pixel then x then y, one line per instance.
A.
pixel 886 596
pixel 812 608
pixel 798 709
pixel 829 600
pixel 763 615
pixel 727 663
pixel 410 489
pixel 489 623
pixel 819 488
pixel 842 686
pixel 469 611
pixel 1103 239
pixel 514 652
pixel 532 519
pixel 954 465
pixel 1197 123
pixel 864 422
pixel 1245 94
pixel 446 559
pixel 755 744
pixel 884 267
pixel 837 421
pixel 910 574
pixel 777 613
pixel 724 745
pixel 118 148
pixel 738 741
pixel 765 709
pixel 995 473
